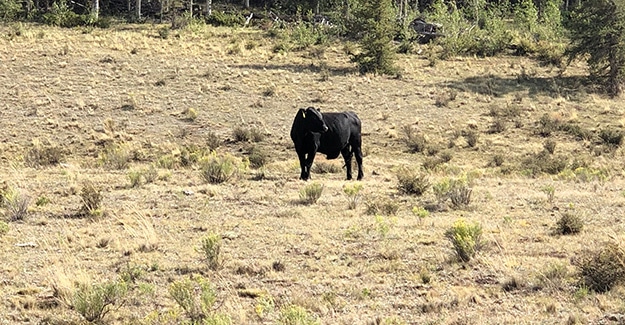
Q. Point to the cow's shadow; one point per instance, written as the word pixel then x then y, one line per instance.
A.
pixel 301 68
pixel 574 87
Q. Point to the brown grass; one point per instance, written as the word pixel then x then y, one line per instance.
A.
pixel 86 92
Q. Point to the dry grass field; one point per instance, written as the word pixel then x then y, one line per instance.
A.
pixel 114 105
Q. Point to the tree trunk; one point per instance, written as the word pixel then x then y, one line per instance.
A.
pixel 160 20
pixel 138 9
pixel 614 81
pixel 95 10
pixel 246 3
pixel 209 7
pixel 317 7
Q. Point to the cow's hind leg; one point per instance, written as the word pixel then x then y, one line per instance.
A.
pixel 347 156
pixel 356 148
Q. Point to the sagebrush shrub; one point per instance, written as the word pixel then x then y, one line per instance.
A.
pixel 611 137
pixel 197 298
pixel 411 181
pixel 94 301
pixel 569 223
pixel 465 238
pixel 258 157
pixel 353 194
pixel 311 193
pixel 135 178
pixel 296 315
pixel 211 248
pixel 217 169
pixel 603 268
pixel 384 206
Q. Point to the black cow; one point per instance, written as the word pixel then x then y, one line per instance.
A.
pixel 331 134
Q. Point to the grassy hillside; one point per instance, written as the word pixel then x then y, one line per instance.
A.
pixel 131 115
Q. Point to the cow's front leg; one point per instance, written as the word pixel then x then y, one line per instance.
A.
pixel 308 165
pixel 305 171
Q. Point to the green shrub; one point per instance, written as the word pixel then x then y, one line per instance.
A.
pixel 600 270
pixel 217 169
pixel 62 15
pixel 94 301
pixel 218 18
pixel 311 193
pixel 353 194
pixel 420 212
pixel 543 162
pixel 10 10
pixel 296 315
pixel 411 181
pixel 465 238
pixel 135 178
pixel 611 137
pixel 200 309
pixel 568 224
pixel 211 248
pixel 258 157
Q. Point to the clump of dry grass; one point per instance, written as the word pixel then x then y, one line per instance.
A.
pixel 415 141
pixel 323 167
pixel 15 204
pixel 115 156
pixel 213 141
pixel 384 206
pixel 43 155
pixel 141 228
pixel 91 197
pixel 241 134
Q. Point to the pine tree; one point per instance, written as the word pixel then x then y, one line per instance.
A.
pixel 597 29
pixel 378 54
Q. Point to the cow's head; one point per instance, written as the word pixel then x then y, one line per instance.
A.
pixel 314 120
